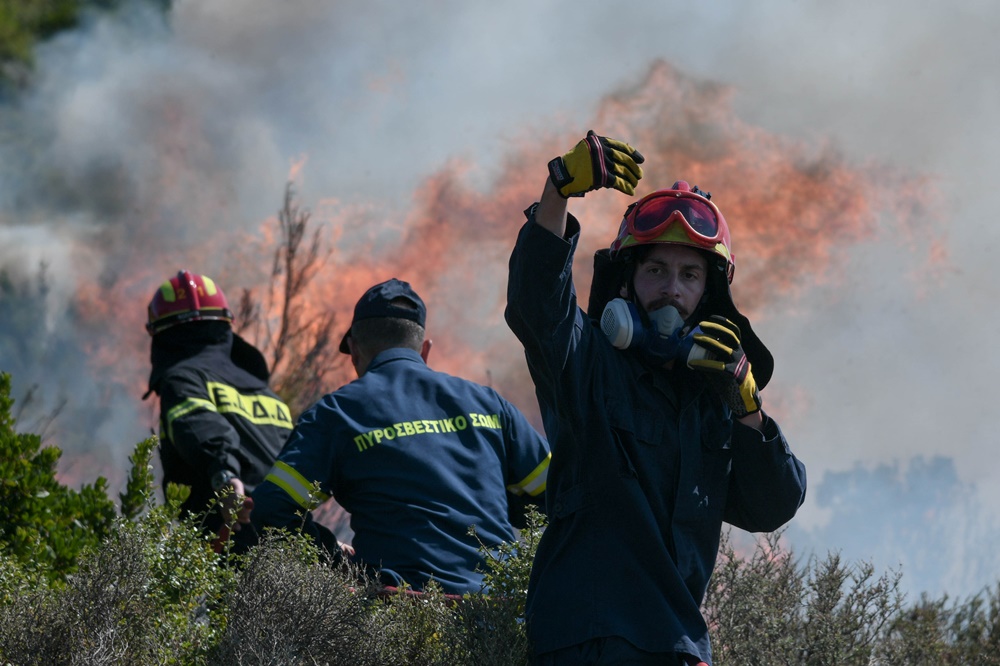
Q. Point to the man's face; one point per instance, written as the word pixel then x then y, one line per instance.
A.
pixel 671 275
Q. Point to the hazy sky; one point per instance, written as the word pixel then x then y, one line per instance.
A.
pixel 891 362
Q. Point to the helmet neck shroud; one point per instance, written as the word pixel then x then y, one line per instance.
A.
pixel 179 343
pixel 612 272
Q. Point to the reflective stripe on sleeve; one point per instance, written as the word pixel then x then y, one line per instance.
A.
pixel 185 408
pixel 285 477
pixel 534 483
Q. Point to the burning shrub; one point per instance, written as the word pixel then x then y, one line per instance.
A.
pixel 298 340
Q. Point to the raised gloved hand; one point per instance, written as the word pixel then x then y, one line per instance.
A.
pixel 594 163
pixel 726 364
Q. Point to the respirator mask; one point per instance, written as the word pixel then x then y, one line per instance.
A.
pixel 663 339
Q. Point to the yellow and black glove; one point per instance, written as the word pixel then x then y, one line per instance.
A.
pixel 594 163
pixel 726 365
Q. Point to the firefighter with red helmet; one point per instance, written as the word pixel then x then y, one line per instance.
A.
pixel 651 404
pixel 221 426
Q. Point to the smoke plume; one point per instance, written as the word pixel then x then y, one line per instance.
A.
pixel 852 158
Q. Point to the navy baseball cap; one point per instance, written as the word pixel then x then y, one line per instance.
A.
pixel 378 302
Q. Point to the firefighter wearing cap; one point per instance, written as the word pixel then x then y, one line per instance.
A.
pixel 416 456
pixel 221 426
pixel 651 402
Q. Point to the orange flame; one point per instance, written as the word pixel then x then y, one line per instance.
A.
pixel 792 207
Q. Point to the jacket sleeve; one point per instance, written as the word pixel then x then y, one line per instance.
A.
pixel 542 306
pixel 274 507
pixel 192 424
pixel 527 464
pixel 768 483
pixel 298 482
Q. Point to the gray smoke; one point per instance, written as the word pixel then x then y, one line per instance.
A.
pixel 146 142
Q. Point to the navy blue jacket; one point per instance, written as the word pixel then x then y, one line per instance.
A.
pixel 417 457
pixel 646 465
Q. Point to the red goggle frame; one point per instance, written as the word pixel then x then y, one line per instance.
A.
pixel 650 218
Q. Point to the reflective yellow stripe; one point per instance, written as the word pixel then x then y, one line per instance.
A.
pixel 258 409
pixel 210 287
pixel 534 483
pixel 183 409
pixel 167 291
pixel 285 477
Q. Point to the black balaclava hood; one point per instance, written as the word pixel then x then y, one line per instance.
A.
pixel 610 273
pixel 181 342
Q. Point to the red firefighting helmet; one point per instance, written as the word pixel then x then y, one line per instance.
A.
pixel 184 298
pixel 681 215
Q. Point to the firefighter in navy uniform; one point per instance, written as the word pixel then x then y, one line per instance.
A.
pixel 416 456
pixel 221 426
pixel 651 401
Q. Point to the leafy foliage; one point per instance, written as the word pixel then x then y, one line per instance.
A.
pixel 750 604
pixel 25 23
pixel 81 584
pixel 143 596
pixel 288 606
pixel 138 494
pixel 493 628
pixel 935 632
pixel 42 522
pixel 766 610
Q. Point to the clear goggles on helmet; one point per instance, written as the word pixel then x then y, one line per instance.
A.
pixel 650 218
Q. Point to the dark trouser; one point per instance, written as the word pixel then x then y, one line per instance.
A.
pixel 608 651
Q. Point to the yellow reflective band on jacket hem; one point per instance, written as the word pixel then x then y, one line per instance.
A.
pixel 258 409
pixel 534 483
pixel 285 477
pixel 185 408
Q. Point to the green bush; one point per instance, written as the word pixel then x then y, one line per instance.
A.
pixel 25 23
pixel 765 609
pixel 933 632
pixel 43 523
pixel 147 595
pixel 83 583
pixel 288 606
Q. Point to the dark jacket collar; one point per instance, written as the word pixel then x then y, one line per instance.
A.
pixel 211 343
pixel 394 354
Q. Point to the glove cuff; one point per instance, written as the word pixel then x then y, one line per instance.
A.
pixel 560 177
pixel 748 401
pixel 742 399
pixel 221 478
